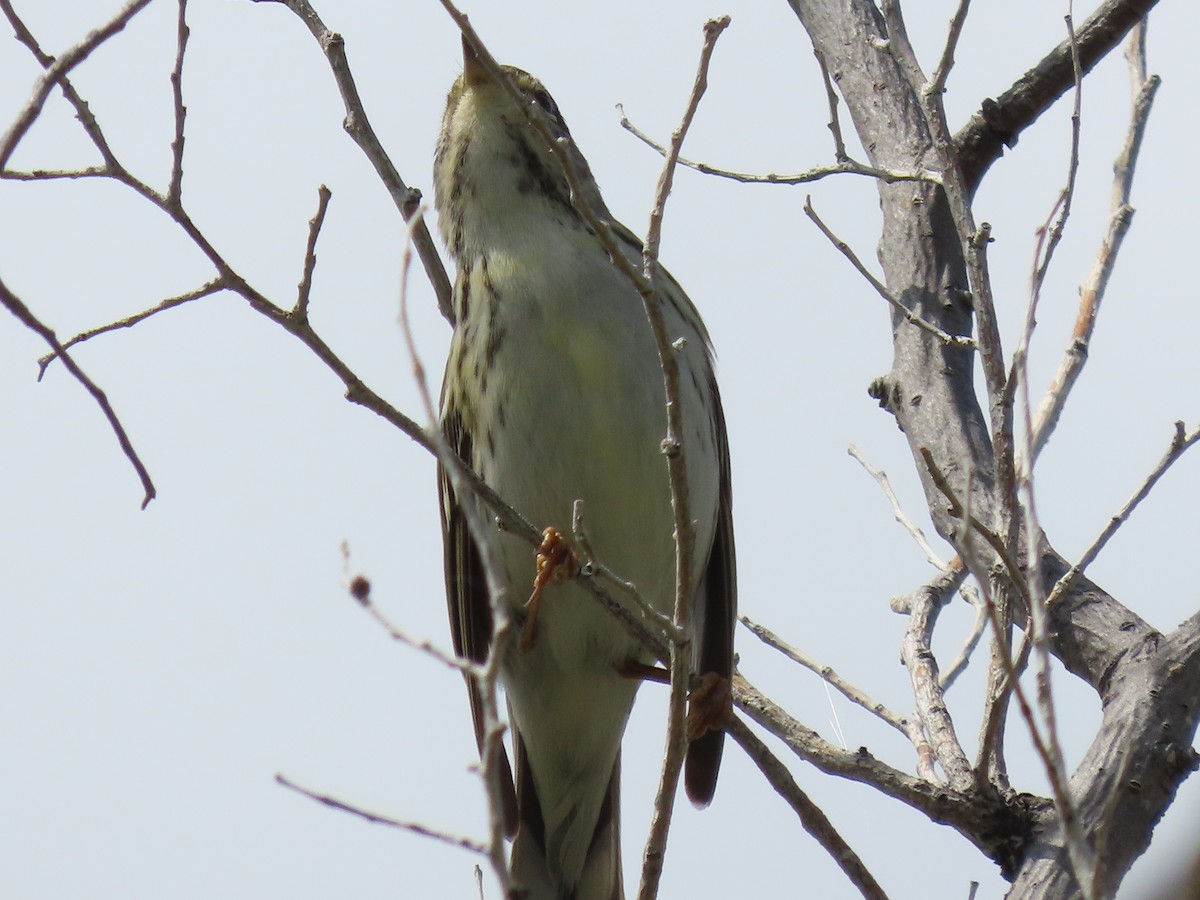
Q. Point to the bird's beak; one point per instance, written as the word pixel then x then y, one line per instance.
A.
pixel 473 70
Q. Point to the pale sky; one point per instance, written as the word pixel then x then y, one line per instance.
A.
pixel 159 667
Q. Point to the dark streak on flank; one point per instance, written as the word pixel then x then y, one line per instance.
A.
pixel 495 339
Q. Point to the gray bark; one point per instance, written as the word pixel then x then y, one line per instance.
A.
pixel 1149 683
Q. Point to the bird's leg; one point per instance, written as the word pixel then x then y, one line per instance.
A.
pixel 710 700
pixel 555 564
pixel 640 671
pixel 710 703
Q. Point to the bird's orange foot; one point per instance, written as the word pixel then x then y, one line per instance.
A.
pixel 555 564
pixel 709 705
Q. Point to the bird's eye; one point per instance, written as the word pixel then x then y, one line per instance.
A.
pixel 546 102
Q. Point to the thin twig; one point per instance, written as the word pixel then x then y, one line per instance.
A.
pixel 57 70
pixel 1080 854
pixel 959 664
pixel 82 112
pixel 55 174
pixel 1092 291
pixel 937 83
pixel 910 526
pixel 463 843
pixel 590 566
pixel 425 647
pixel 358 126
pixel 847 166
pixel 674 450
pixel 175 188
pixel 310 252
pixel 1180 442
pixel 852 693
pixel 14 304
pixel 835 125
pixel 812 818
pixel 1055 772
pixel 485 679
pixel 990 763
pixel 952 340
pixel 212 287
pixel 1050 234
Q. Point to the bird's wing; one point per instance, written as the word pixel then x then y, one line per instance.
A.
pixel 467 595
pixel 715 616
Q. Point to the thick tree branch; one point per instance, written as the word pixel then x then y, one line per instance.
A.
pixel 999 122
pixel 930 391
pixel 999 825
pixel 1129 775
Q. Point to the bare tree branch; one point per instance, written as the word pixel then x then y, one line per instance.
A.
pixel 462 843
pixel 57 70
pixel 26 317
pixel 212 287
pixel 937 82
pixel 953 340
pixel 917 655
pixel 1079 852
pixel 812 818
pixel 1180 443
pixel 999 827
pixel 826 672
pixel 844 166
pixel 358 126
pixel 674 450
pixel 175 187
pixel 1120 217
pixel 1000 122
pixel 959 664
pixel 898 513
pixel 310 251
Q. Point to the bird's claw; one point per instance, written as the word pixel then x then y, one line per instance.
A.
pixel 555 563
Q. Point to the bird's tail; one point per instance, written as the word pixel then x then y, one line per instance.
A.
pixel 536 876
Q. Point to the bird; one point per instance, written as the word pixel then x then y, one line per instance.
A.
pixel 553 392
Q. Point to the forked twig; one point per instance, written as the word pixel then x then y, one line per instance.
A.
pixel 25 316
pixel 57 70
